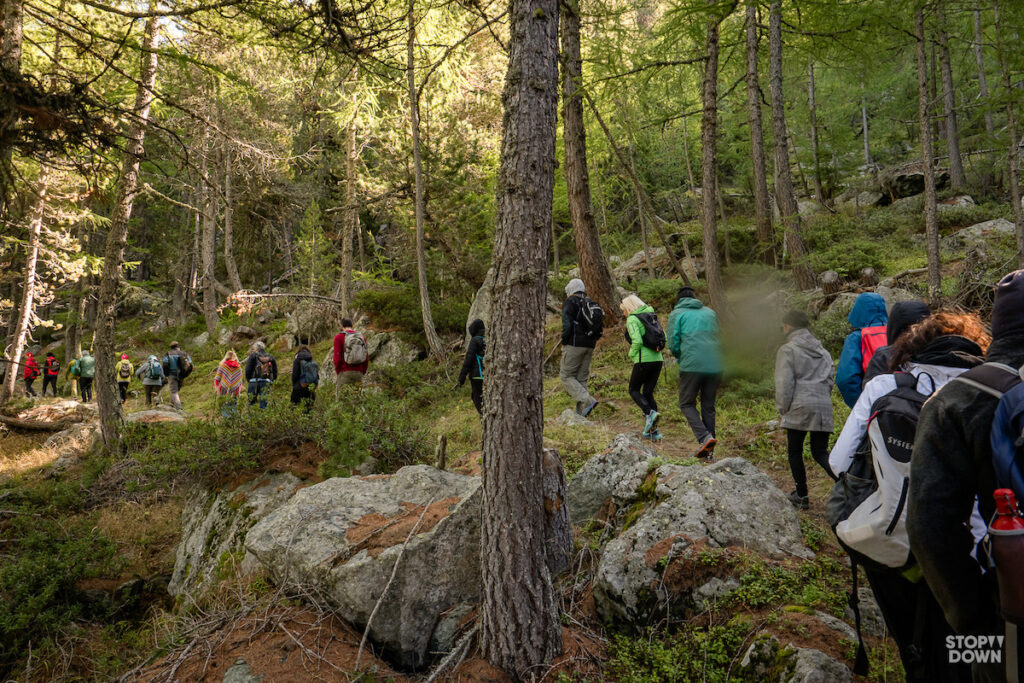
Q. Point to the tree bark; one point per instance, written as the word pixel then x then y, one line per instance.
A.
pixel 107 399
pixel 12 14
pixel 641 217
pixel 864 125
pixel 762 205
pixel 593 266
pixel 1011 125
pixel 783 181
pixel 350 218
pixel 433 341
pixel 819 192
pixel 209 254
pixel 928 166
pixel 520 630
pixel 979 56
pixel 708 166
pixel 957 178
pixel 229 240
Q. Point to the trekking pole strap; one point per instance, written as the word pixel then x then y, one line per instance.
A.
pixel 860 664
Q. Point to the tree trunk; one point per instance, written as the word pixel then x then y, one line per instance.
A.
pixel 708 166
pixel 721 215
pixel 1011 125
pixel 107 399
pixel 819 192
pixel 979 56
pixel 433 341
pixel 229 240
pixel 12 13
pixel 593 267
pixel 928 165
pixel 956 165
pixel 686 156
pixel 350 218
pixel 762 205
pixel 641 217
pixel 209 254
pixel 554 246
pixel 831 283
pixel 864 125
pixel 520 630
pixel 783 181
pixel 28 288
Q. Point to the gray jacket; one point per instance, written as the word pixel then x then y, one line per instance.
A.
pixel 803 383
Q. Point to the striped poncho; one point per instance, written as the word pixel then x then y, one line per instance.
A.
pixel 228 378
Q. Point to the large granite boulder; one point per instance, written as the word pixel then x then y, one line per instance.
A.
pixel 386 350
pixel 482 302
pixel 979 233
pixel 312 324
pixel 768 660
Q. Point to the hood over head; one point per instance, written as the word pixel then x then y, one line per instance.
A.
pixel 868 311
pixel 575 286
pixel 49 354
pixel 807 342
pixel 1008 311
pixel 476 328
pixel 86 353
pixel 902 316
pixel 304 354
pixel 231 363
pixel 28 355
pixel 951 351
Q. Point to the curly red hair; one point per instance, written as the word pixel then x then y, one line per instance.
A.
pixel 944 322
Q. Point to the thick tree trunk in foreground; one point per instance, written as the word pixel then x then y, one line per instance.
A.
pixel 1011 125
pixel 593 267
pixel 762 205
pixel 708 166
pixel 433 341
pixel 520 630
pixel 928 166
pixel 802 272
pixel 819 191
pixel 957 178
pixel 106 384
pixel 229 238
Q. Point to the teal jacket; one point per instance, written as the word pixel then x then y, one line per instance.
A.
pixel 87 365
pixel 638 353
pixel 693 337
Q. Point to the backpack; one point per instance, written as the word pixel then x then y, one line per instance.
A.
pixel 53 366
pixel 264 366
pixel 654 335
pixel 155 370
pixel 170 363
pixel 186 367
pixel 480 358
pixel 1007 433
pixel 309 375
pixel 589 318
pixel 355 348
pixel 125 372
pixel 75 369
pixel 871 339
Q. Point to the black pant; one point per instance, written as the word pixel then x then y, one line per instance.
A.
pixel 86 385
pixel 642 382
pixel 50 380
pixel 28 387
pixel 819 451
pixel 302 394
pixel 151 391
pixel 122 388
pixel 476 391
pixel 691 384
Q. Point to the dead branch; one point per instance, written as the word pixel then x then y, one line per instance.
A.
pixel 38 425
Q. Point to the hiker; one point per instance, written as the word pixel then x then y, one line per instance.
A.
pixel 260 373
pixel 582 326
pixel 30 373
pixel 51 371
pixel 305 378
pixel 152 375
pixel 473 365
pixel 227 381
pixel 646 340
pixel 123 371
pixel 868 319
pixel 693 340
pixel 351 359
pixel 177 366
pixel 875 445
pixel 952 468
pixel 901 317
pixel 86 368
pixel 803 396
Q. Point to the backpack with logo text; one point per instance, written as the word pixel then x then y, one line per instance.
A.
pixel 309 374
pixel 355 348
pixel 590 318
pixel 871 339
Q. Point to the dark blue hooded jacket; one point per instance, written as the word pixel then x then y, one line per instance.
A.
pixel 868 311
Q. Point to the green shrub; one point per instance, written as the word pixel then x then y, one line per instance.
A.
pixel 398 308
pixel 660 293
pixel 690 654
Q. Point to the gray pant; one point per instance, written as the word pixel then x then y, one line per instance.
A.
pixel 174 386
pixel 574 373
pixel 691 384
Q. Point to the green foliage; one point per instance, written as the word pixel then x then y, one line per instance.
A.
pixel 815 584
pixel 315 259
pixel 659 293
pixel 398 308
pixel 690 654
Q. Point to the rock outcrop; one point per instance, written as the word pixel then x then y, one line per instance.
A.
pixel 610 479
pixel 979 233
pixel 767 660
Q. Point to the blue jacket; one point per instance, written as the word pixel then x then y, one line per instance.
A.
pixel 868 311
pixel 693 337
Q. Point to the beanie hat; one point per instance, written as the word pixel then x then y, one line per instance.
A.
pixel 796 319
pixel 575 286
pixel 686 293
pixel 124 356
pixel 1008 312
pixel 902 316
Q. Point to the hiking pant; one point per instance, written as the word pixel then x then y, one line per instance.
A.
pixel 301 394
pixel 174 386
pixel 819 451
pixel 642 382
pixel 50 380
pixel 122 388
pixel 476 390
pixel 348 377
pixel 690 385
pixel 28 387
pixel 151 391
pixel 574 373
pixel 228 405
pixel 85 383
pixel 258 390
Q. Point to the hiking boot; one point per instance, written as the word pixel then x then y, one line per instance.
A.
pixel 652 422
pixel 589 409
pixel 799 502
pixel 656 435
pixel 706 452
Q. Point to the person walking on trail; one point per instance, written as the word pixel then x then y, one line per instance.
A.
pixel 646 339
pixel 868 319
pixel 123 371
pixel 473 364
pixel 952 469
pixel 803 397
pixel 305 378
pixel 51 371
pixel 260 373
pixel 30 373
pixel 582 326
pixel 227 381
pixel 694 341
pixel 901 317
pixel 86 367
pixel 875 446
pixel 177 366
pixel 351 359
pixel 152 375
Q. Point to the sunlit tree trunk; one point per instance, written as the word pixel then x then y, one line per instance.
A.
pixel 1011 125
pixel 928 166
pixel 641 215
pixel 520 631
pixel 802 272
pixel 209 243
pixel 12 14
pixel 762 205
pixel 819 191
pixel 107 398
pixel 708 166
pixel 229 237
pixel 957 177
pixel 350 220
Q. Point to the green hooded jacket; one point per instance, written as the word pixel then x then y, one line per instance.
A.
pixel 87 365
pixel 693 337
pixel 638 353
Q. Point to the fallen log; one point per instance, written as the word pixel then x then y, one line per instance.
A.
pixel 40 425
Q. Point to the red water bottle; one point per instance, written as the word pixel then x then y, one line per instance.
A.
pixel 1007 536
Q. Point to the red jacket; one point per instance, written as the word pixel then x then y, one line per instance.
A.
pixel 339 356
pixel 50 370
pixel 31 367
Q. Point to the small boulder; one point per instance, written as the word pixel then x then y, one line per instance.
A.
pixel 312 324
pixel 201 339
pixel 154 416
pixel 386 350
pixel 570 418
pixel 871 620
pixel 767 660
pixel 862 200
pixel 960 201
pixel 611 477
pixel 979 233
pixel 72 444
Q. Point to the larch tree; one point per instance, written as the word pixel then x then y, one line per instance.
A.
pixel 107 399
pixel 709 167
pixel 957 178
pixel 927 164
pixel 979 57
pixel 762 203
pixel 520 630
pixel 229 234
pixel 1013 144
pixel 819 191
pixel 209 238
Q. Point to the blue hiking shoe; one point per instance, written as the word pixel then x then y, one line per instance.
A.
pixel 656 435
pixel 652 422
pixel 589 409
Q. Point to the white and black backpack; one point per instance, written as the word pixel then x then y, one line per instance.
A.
pixel 589 318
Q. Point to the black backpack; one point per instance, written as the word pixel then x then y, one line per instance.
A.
pixel 309 374
pixel 589 318
pixel 654 335
pixel 264 366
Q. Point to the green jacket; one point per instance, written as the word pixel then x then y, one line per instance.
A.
pixel 693 337
pixel 87 365
pixel 638 353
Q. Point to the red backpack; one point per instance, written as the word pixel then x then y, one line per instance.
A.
pixel 871 339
